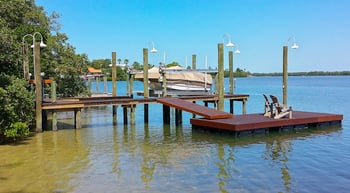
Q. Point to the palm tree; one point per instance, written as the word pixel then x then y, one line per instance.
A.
pixel 126 61
pixel 119 60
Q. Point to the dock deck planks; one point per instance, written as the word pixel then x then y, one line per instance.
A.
pixel 258 121
pixel 206 112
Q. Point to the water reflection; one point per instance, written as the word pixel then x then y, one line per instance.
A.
pixel 47 162
pixel 141 157
pixel 278 147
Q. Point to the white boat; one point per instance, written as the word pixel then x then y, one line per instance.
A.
pixel 178 80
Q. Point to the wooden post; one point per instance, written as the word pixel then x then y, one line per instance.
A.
pixel 244 107
pixel 193 115
pixel 178 117
pixel 114 74
pixel 53 100
pixel 54 120
pixel 97 79
pixel 221 76
pixel 38 87
pixel 230 69
pixel 105 84
pixel 114 84
pixel 53 91
pixel 164 85
pixel 285 75
pixel 231 106
pixel 132 114
pixel 166 114
pixel 132 85
pixel 77 118
pixel 89 86
pixel 194 62
pixel 145 83
pixel 125 115
pixel 127 84
pixel 145 111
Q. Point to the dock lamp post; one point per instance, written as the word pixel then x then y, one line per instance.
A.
pixel 37 78
pixel 153 50
pixel 35 53
pixel 230 60
pixel 285 68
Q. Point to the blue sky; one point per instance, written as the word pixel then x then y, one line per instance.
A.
pixel 181 28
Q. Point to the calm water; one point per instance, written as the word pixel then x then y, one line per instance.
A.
pixel 101 157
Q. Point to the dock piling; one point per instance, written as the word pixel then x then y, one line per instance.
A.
pixel 38 88
pixel 221 76
pixel 145 83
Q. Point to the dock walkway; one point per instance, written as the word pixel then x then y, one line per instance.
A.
pixel 206 112
pixel 252 122
pixel 218 120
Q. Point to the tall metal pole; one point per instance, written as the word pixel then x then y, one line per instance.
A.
pixel 285 75
pixel 38 87
pixel 230 69
pixel 221 76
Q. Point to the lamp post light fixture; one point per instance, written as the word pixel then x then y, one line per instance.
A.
pixel 230 61
pixel 37 77
pixel 153 50
pixel 25 60
pixel 285 68
pixel 229 44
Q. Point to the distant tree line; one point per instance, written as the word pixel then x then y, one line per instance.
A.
pixel 312 73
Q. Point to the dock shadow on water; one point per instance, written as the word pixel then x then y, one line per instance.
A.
pixel 149 158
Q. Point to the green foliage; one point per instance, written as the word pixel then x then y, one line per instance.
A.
pixel 18 18
pixel 238 73
pixel 18 129
pixel 70 85
pixel 16 104
pixel 137 66
pixel 312 73
pixel 173 64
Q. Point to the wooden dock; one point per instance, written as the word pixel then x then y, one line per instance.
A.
pixel 206 112
pixel 77 104
pixel 252 122
pixel 218 120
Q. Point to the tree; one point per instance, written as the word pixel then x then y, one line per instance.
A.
pixel 59 61
pixel 17 107
pixel 137 66
pixel 173 64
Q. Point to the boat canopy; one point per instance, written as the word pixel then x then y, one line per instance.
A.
pixel 177 73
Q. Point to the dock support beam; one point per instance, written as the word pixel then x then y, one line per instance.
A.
pixel 125 115
pixel 105 84
pixel 38 88
pixel 230 69
pixel 53 100
pixel 231 106
pixel 178 117
pixel 97 79
pixel 145 83
pixel 166 114
pixel 221 76
pixel 77 118
pixel 285 75
pixel 114 84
